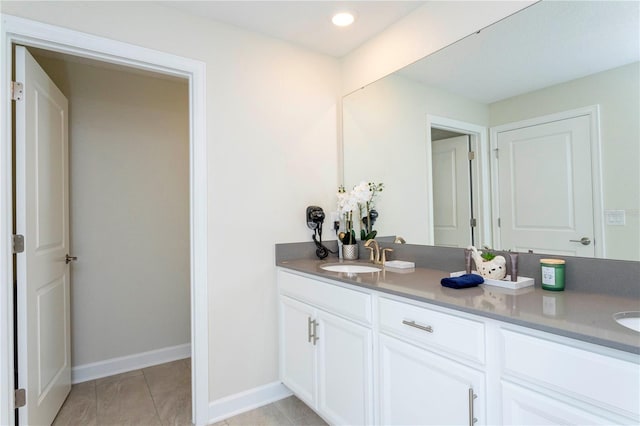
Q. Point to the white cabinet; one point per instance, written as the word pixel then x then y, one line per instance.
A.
pixel 344 350
pixel 418 387
pixel 462 338
pixel 546 379
pixel 422 378
pixel 326 360
pixel 297 352
pixel 345 369
pixel 523 406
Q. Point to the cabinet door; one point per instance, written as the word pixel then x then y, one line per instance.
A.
pixel 418 387
pixel 297 353
pixel 521 406
pixel 345 391
pixel 584 372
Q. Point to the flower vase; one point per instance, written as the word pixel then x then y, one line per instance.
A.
pixel 350 251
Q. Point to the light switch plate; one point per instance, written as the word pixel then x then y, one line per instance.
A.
pixel 615 217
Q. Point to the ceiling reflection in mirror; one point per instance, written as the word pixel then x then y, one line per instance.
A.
pixel 549 59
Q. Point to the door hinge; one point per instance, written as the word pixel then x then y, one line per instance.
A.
pixel 17 243
pixel 499 224
pixel 17 89
pixel 19 398
pixel 496 151
pixel 472 155
pixel 473 222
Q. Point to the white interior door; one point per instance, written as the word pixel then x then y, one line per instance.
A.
pixel 545 188
pixel 451 192
pixel 42 200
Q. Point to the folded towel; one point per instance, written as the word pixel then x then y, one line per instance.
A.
pixel 463 281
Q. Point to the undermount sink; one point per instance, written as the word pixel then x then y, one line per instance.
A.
pixel 629 319
pixel 350 268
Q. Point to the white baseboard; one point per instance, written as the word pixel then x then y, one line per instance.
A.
pixel 109 367
pixel 232 405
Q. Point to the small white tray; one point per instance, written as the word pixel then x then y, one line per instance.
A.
pixel 399 264
pixel 399 270
pixel 514 285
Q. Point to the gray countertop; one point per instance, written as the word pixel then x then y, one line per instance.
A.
pixel 578 315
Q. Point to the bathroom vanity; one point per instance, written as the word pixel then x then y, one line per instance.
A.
pixel 395 347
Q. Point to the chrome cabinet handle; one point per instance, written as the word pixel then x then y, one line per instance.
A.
pixel 68 259
pixel 585 241
pixel 412 323
pixel 472 396
pixel 312 330
pixel 315 332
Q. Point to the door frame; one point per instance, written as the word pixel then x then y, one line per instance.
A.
pixel 478 137
pixel 593 112
pixel 26 32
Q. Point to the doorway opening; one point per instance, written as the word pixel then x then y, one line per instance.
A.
pixel 33 34
pixel 456 155
pixel 127 227
pixel 453 205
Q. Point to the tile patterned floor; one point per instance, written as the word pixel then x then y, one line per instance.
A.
pixel 161 395
pixel 286 412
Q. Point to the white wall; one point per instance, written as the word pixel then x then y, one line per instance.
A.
pixel 427 29
pixel 129 212
pixel 271 128
pixel 617 91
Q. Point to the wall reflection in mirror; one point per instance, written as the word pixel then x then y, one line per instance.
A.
pixel 547 100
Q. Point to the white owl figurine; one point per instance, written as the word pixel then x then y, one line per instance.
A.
pixel 495 268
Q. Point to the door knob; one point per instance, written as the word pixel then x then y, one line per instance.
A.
pixel 68 259
pixel 585 241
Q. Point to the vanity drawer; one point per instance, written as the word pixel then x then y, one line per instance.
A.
pixel 597 378
pixel 459 336
pixel 330 297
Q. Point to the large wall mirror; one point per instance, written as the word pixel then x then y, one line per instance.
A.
pixel 524 136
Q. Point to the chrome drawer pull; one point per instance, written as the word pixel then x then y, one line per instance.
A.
pixel 427 328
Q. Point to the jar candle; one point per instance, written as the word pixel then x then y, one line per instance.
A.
pixel 552 274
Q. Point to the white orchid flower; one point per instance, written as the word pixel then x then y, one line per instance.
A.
pixel 362 192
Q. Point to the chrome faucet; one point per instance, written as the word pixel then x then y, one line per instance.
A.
pixel 377 256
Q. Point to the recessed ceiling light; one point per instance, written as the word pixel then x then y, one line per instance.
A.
pixel 343 19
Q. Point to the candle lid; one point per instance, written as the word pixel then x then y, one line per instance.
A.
pixel 553 261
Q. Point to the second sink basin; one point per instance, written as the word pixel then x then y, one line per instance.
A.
pixel 350 268
pixel 629 319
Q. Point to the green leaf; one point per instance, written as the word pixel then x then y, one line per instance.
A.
pixel 487 255
pixel 370 236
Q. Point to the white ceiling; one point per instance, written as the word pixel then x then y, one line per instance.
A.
pixel 305 23
pixel 550 42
